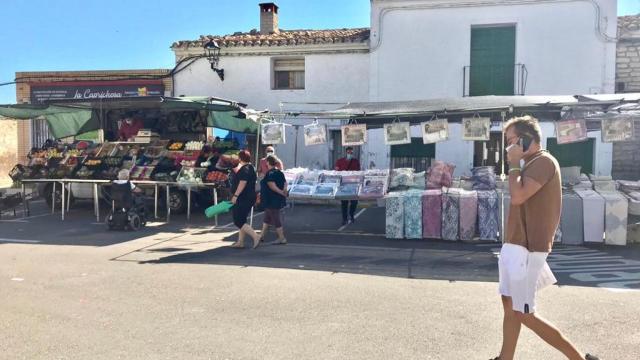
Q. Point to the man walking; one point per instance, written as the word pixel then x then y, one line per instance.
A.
pixel 348 163
pixel 534 215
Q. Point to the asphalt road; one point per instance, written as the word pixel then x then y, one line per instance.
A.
pixel 73 290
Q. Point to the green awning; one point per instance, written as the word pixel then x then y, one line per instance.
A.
pixel 72 117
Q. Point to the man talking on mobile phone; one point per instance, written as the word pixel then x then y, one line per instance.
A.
pixel 534 216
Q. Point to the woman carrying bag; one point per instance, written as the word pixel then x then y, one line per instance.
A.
pixel 243 188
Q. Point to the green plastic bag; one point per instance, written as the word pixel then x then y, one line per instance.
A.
pixel 221 208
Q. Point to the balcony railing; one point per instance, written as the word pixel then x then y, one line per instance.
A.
pixel 480 80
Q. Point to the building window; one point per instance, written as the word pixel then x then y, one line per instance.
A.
pixel 492 69
pixel 288 74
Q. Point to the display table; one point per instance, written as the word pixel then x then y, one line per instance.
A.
pixel 66 193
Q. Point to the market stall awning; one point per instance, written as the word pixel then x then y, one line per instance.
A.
pixel 470 105
pixel 71 117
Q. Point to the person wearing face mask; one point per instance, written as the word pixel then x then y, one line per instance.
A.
pixel 348 163
pixel 263 167
pixel 129 127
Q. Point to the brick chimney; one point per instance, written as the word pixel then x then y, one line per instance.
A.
pixel 268 18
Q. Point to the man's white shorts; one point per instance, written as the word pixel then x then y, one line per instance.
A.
pixel 522 274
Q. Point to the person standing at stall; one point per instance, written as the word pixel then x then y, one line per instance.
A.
pixel 348 163
pixel 534 216
pixel 129 127
pixel 263 166
pixel 243 188
pixel 273 194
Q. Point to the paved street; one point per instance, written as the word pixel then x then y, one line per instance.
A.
pixel 74 290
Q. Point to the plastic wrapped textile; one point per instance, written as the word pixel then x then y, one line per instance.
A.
pixel 571 219
pixel 347 191
pixel 583 185
pixel 599 177
pixel 377 172
pixel 483 178
pixel 432 214
pixel 401 178
pixel 352 177
pixel 633 233
pixel 616 216
pixel 450 214
pixel 308 178
pixel 413 214
pixel 593 215
pixel 325 191
pixel 504 204
pixel 488 215
pixel 330 177
pixel 628 186
pixel 394 216
pixel 301 191
pixel 419 181
pixel 468 214
pixel 604 185
pixel 439 174
pixel 374 188
pixel 634 206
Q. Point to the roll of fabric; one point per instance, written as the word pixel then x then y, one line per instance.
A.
pixel 450 214
pixel 468 214
pixel 394 213
pixel 571 219
pixel 432 214
pixel 616 216
pixel 483 178
pixel 488 215
pixel 413 214
pixel 593 215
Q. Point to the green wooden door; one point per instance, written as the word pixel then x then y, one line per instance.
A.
pixel 574 154
pixel 493 56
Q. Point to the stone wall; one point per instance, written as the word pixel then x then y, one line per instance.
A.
pixel 626 155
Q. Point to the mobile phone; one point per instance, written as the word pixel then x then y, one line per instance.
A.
pixel 525 142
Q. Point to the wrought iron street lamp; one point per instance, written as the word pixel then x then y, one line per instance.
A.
pixel 212 52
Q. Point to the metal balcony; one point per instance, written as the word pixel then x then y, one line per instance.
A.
pixel 481 80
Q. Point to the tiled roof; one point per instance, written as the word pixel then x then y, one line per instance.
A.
pixel 629 23
pixel 281 38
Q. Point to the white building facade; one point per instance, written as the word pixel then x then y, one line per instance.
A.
pixel 415 49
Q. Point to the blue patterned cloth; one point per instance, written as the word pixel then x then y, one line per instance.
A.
pixel 413 215
pixel 450 214
pixel 468 215
pixel 488 215
pixel 483 178
pixel 394 225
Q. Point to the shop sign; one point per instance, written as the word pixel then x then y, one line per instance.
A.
pixel 397 133
pixel 354 134
pixel 570 131
pixel 435 131
pixel 93 90
pixel 273 133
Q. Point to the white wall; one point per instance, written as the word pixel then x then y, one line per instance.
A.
pixel 329 78
pixel 422 52
pixel 418 51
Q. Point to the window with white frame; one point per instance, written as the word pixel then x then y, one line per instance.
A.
pixel 288 74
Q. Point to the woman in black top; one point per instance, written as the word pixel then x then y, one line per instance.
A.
pixel 273 193
pixel 243 187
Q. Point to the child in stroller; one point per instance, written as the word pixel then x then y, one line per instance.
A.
pixel 127 206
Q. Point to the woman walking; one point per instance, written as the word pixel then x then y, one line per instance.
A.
pixel 273 194
pixel 243 188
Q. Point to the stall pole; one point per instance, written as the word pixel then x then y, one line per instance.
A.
pixel 69 197
pixel 96 202
pixel 63 199
pixel 188 202
pixel 502 177
pixel 257 161
pixel 24 200
pixel 53 198
pixel 215 202
pixel 168 203
pixel 155 203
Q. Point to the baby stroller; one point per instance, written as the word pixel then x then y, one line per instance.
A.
pixel 128 211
